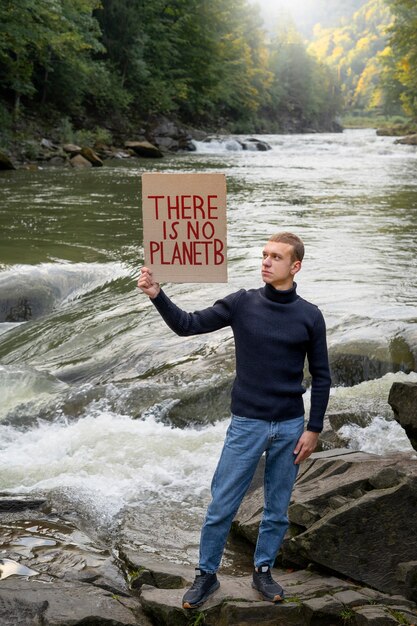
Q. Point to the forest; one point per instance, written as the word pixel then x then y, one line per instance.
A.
pixel 210 64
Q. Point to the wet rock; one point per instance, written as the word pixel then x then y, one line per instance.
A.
pixel 5 162
pixel 353 509
pixel 71 148
pixel 144 149
pixel 311 600
pixel 10 504
pixel 78 161
pixel 140 569
pixel 57 160
pixel 409 140
pixel 91 156
pixel 169 135
pixel 257 144
pixel 59 603
pixel 347 509
pixel 22 302
pixel 403 401
pixel 362 358
pixel 330 438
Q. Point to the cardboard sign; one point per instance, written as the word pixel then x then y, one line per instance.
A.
pixel 184 227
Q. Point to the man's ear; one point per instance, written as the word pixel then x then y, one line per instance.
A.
pixel 296 266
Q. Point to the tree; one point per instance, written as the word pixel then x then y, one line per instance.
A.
pixel 401 63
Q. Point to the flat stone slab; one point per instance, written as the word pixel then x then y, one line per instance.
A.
pixel 59 603
pixel 311 600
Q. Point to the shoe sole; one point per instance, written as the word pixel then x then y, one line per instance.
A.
pixel 187 605
pixel 276 598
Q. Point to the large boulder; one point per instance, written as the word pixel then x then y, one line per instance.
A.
pixel 168 135
pixel 403 400
pixel 5 162
pixel 366 357
pixel 79 162
pixel 408 140
pixel 351 512
pixel 90 155
pixel 144 149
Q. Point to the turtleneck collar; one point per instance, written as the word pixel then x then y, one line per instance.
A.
pixel 284 297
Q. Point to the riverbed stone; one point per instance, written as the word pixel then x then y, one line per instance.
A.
pixel 59 603
pixel 364 357
pixel 403 401
pixel 78 161
pixel 71 148
pixel 92 156
pixel 144 149
pixel 408 140
pixel 5 162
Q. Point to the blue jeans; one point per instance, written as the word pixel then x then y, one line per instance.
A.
pixel 246 440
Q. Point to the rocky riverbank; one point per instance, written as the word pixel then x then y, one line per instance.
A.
pixel 157 138
pixel 350 557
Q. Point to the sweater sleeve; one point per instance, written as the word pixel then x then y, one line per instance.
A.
pixel 205 321
pixel 318 363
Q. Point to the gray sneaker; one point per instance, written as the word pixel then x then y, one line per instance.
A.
pixel 203 586
pixel 266 585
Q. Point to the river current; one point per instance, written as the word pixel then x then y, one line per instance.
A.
pixel 102 407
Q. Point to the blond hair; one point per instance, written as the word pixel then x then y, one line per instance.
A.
pixel 292 240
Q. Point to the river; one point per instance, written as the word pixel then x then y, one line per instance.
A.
pixel 102 407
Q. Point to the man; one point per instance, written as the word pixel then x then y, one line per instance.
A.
pixel 274 330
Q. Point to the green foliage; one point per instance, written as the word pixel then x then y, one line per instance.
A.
pixel 356 50
pixel 401 64
pixel 400 617
pixel 301 87
pixel 198 619
pixel 206 62
pixel 347 616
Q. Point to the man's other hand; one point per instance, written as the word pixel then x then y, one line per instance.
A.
pixel 306 445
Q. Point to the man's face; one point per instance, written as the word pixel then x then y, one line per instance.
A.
pixel 278 268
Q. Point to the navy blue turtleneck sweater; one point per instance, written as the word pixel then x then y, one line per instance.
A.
pixel 274 331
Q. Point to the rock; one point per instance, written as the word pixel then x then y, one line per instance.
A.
pixel 5 162
pixel 140 569
pixel 78 583
pixel 409 140
pixel 48 144
pixel 71 148
pixel 355 508
pixel 311 600
pixel 144 149
pixel 57 160
pixel 10 504
pixel 347 509
pixel 339 419
pixel 169 135
pixel 366 358
pixel 403 400
pixel 257 144
pixel 91 156
pixel 59 603
pixel 79 161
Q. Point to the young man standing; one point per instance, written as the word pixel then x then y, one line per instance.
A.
pixel 274 330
